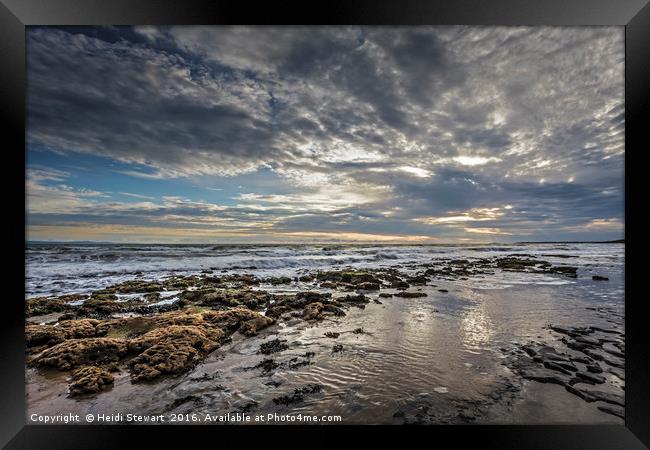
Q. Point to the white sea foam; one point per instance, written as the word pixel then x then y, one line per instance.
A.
pixel 66 268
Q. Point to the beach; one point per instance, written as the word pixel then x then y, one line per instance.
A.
pixel 373 334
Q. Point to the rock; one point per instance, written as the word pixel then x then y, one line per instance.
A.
pixel 591 353
pixel 595 379
pixel 89 380
pixel 606 397
pixel 614 352
pixel 582 359
pixel 399 284
pixel 128 287
pixel 529 350
pixel 332 334
pixel 44 305
pixel 267 366
pixel 515 264
pixel 410 294
pixel 531 370
pixel 169 358
pixel 617 372
pixel 337 348
pixel 358 331
pixel 277 311
pixel 204 339
pixel 49 335
pixel 104 305
pixel 583 395
pixel 274 346
pixel 77 352
pixel 385 295
pixel 295 363
pixel 43 335
pixel 566 365
pixel 230 319
pixel 368 286
pixel 565 270
pixel 313 311
pixel 352 277
pixel 253 326
pixel 419 280
pixel 298 394
pixel 275 281
pixel 579 346
pixel 599 278
pixel 550 353
pixel 594 368
pixel 555 366
pixel 333 310
pixel 360 298
pixel 443 290
pixel 561 329
pixel 614 410
pixel 306 297
pixel 614 362
pixel 588 340
pixel 604 330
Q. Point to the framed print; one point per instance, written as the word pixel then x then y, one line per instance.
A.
pixel 242 223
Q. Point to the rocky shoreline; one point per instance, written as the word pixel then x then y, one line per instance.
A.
pixel 157 329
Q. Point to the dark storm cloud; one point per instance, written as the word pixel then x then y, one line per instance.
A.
pixel 409 129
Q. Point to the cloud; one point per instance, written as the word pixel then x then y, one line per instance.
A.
pixel 372 129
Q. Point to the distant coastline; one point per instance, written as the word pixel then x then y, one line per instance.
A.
pixel 325 243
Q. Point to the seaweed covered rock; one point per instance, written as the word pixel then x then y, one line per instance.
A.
pixel 49 335
pixel 178 283
pixel 313 311
pixel 77 352
pixel 298 395
pixel 45 305
pixel 204 339
pixel 276 281
pixel 306 297
pixel 405 294
pixel 227 297
pixel 89 380
pixel 516 264
pixel 231 319
pixel 273 346
pixel 171 350
pixel 277 311
pixel 169 358
pixel 104 305
pixel 253 326
pixel 348 276
pixel 355 299
pixel 38 335
pixel 132 286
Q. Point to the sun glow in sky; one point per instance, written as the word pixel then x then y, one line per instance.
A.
pixel 276 134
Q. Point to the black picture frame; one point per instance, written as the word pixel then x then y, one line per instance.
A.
pixel 634 15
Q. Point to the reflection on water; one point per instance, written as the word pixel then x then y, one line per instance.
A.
pixel 476 328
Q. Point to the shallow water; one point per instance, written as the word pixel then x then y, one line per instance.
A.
pixel 435 359
pixel 55 269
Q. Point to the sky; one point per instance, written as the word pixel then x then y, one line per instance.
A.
pixel 318 134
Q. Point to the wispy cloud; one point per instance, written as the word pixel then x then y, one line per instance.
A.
pixel 410 131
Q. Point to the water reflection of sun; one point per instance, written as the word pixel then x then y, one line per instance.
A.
pixel 477 328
